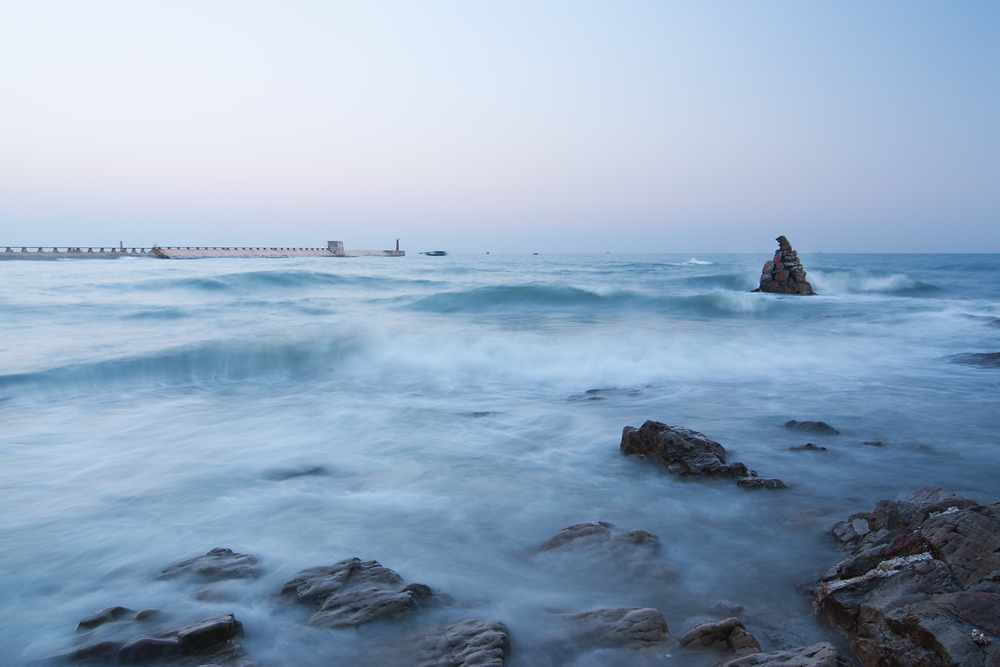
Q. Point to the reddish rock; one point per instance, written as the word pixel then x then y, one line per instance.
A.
pixel 784 274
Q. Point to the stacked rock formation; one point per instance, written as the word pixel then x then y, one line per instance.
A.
pixel 784 274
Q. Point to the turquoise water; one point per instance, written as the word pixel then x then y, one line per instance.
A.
pixel 152 410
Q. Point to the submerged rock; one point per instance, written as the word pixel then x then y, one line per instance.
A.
pixel 683 451
pixel 817 655
pixel 808 447
pixel 353 592
pixel 784 274
pixel 921 580
pixel 760 483
pixel 627 629
pixel 812 427
pixel 602 549
pixel 217 564
pixel 978 359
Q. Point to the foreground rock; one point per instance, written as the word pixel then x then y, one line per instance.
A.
pixel 469 643
pixel 921 585
pixel 784 274
pixel 217 564
pixel 726 635
pixel 817 655
pixel 353 592
pixel 686 452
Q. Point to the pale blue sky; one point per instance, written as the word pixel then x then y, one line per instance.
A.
pixel 474 126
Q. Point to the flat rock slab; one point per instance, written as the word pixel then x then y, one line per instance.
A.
pixel 921 584
pixel 217 564
pixel 469 643
pixel 682 450
pixel 354 592
pixel 817 655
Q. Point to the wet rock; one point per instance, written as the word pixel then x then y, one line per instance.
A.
pixel 917 583
pixel 354 608
pixel 726 635
pixel 808 447
pixel 628 629
pixel 101 652
pixel 760 483
pixel 784 274
pixel 981 359
pixel 682 450
pixel 584 535
pixel 208 634
pixel 149 650
pixel 599 545
pixel 812 427
pixel 353 592
pixel 469 643
pixel 817 655
pixel 217 564
pixel 103 616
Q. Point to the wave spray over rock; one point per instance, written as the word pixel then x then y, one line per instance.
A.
pixel 784 274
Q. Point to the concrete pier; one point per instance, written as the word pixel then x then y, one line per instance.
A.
pixel 333 249
pixel 41 254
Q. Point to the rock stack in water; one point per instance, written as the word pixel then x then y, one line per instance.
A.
pixel 784 274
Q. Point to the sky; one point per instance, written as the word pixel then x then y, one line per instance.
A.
pixel 513 126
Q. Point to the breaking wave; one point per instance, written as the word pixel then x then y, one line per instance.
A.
pixel 209 363
pixel 844 282
pixel 272 280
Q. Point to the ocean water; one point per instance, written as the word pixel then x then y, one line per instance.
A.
pixel 438 414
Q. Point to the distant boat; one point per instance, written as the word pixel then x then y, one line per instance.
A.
pixel 434 253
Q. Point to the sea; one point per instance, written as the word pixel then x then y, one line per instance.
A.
pixel 446 416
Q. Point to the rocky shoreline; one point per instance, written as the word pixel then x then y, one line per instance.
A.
pixel 919 585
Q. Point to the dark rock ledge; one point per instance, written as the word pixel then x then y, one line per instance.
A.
pixel 921 584
pixel 687 452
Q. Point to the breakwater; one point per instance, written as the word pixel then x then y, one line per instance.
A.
pixel 333 249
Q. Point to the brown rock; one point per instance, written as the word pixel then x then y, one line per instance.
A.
pixel 682 450
pixel 920 584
